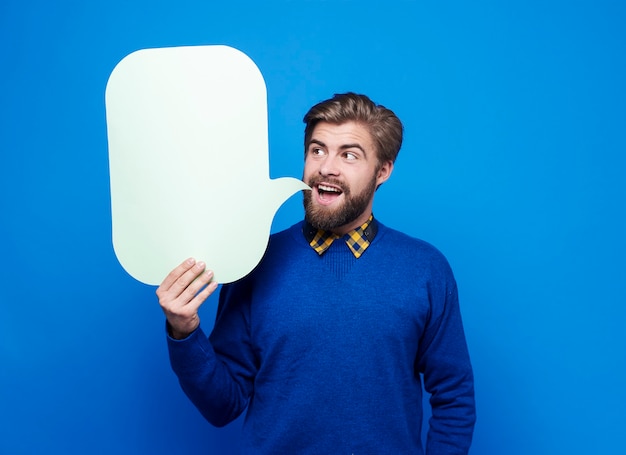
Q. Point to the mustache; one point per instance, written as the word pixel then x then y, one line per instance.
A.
pixel 317 179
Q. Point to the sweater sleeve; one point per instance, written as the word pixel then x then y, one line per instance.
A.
pixel 217 373
pixel 443 359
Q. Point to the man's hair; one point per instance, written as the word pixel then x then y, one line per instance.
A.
pixel 383 125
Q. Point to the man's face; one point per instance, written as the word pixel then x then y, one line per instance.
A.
pixel 342 168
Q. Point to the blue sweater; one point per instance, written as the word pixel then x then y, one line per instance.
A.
pixel 327 353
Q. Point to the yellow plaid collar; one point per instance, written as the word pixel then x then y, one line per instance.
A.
pixel 357 240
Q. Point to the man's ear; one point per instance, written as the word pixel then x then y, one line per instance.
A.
pixel 384 173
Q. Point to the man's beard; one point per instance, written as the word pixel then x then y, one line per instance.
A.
pixel 352 207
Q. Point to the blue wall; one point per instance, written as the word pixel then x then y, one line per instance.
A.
pixel 514 165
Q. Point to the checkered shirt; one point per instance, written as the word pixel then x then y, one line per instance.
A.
pixel 357 240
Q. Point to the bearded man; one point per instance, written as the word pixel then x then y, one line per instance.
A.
pixel 327 343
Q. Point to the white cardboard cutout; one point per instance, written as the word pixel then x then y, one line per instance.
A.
pixel 188 155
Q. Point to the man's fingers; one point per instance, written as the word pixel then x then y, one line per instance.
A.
pixel 182 292
pixel 195 286
pixel 175 275
pixel 182 313
pixel 184 281
pixel 187 282
pixel 183 284
pixel 199 297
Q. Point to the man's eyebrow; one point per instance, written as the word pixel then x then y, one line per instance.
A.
pixel 315 141
pixel 352 146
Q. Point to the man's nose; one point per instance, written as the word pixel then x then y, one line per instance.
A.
pixel 330 166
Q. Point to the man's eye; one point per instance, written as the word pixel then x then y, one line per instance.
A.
pixel 317 151
pixel 350 156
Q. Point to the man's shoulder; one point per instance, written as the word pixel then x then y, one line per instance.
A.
pixel 279 251
pixel 401 244
pixel 287 243
pixel 290 234
pixel 404 240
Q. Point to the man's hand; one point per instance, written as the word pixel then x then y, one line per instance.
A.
pixel 182 292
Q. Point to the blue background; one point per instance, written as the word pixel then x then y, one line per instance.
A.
pixel 514 165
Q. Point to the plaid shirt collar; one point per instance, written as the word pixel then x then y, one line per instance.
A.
pixel 357 239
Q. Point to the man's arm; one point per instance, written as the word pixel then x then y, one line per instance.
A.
pixel 445 363
pixel 219 386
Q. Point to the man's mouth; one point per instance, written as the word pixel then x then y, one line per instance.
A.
pixel 327 194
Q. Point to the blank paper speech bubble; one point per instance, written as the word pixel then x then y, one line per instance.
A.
pixel 188 155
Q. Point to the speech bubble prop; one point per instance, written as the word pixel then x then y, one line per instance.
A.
pixel 188 157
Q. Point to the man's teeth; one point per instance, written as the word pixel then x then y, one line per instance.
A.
pixel 328 189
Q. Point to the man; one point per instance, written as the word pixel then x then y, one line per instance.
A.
pixel 326 342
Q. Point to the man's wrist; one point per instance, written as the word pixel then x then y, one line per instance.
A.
pixel 176 334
